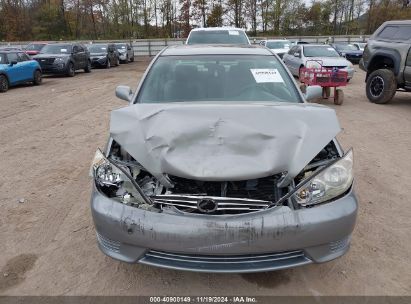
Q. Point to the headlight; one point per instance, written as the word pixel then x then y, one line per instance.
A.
pixel 328 183
pixel 59 60
pixel 115 181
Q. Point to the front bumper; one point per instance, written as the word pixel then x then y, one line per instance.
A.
pixel 273 239
pixel 350 71
pixel 122 56
pixel 98 62
pixel 55 68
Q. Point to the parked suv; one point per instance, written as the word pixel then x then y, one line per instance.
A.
pixel 103 55
pixel 387 61
pixel 64 58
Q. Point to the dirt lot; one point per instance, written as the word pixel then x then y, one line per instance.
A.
pixel 48 135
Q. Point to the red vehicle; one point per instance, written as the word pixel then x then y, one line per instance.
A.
pixel 327 78
pixel 34 48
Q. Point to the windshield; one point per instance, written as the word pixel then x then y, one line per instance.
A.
pixel 56 49
pixel 278 44
pixel 320 51
pixel 221 78
pixel 2 58
pixel 34 47
pixel 346 47
pixel 121 46
pixel 97 48
pixel 218 37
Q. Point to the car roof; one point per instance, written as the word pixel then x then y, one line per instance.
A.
pixel 208 29
pixel 215 49
pixel 398 22
pixel 275 40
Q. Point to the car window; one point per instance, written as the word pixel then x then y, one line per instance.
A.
pixel 320 51
pixel 396 32
pixel 346 47
pixel 34 47
pixel 97 48
pixel 217 78
pixel 3 59
pixel 12 57
pixel 23 57
pixel 278 44
pixel 56 49
pixel 218 37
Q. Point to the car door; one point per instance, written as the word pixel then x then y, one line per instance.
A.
pixel 111 54
pixel 82 56
pixel 26 66
pixel 78 56
pixel 407 70
pixel 15 70
pixel 295 60
pixel 288 57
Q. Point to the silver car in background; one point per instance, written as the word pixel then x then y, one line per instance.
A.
pixel 218 164
pixel 312 55
pixel 218 35
pixel 278 46
pixel 126 52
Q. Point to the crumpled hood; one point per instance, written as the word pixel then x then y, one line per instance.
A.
pixel 223 142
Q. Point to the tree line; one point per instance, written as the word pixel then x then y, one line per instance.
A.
pixel 23 20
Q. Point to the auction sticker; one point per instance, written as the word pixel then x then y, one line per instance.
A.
pixel 266 75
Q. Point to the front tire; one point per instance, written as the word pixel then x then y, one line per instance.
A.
pixel 4 84
pixel 132 59
pixel 381 86
pixel 87 69
pixel 37 78
pixel 70 70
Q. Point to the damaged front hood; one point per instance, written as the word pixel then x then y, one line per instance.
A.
pixel 223 142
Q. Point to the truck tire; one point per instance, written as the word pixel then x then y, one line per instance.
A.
pixel 381 86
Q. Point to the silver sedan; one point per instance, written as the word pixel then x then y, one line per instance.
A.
pixel 311 55
pixel 218 164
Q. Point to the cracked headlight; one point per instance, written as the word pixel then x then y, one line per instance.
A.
pixel 329 183
pixel 115 181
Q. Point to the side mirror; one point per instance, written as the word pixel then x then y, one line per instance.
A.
pixel 313 92
pixel 13 62
pixel 124 93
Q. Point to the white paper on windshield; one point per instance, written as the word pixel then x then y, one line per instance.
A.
pixel 63 50
pixel 233 33
pixel 266 75
pixel 330 49
pixel 103 48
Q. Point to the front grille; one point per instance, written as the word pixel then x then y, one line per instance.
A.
pixel 222 204
pixel 221 198
pixel 226 263
pixel 335 66
pixel 45 61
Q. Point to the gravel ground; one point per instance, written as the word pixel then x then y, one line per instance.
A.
pixel 48 135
